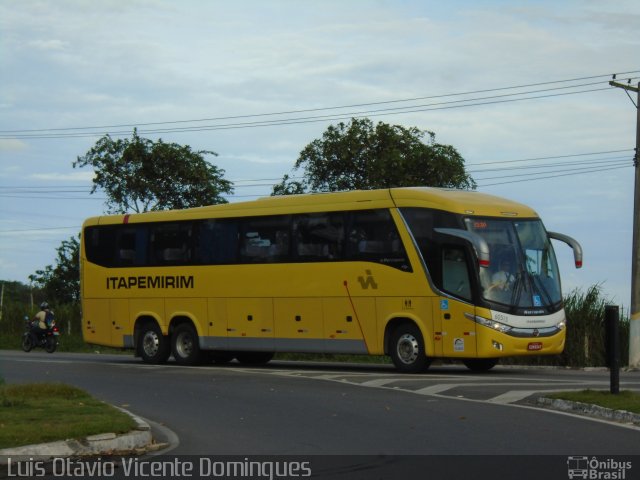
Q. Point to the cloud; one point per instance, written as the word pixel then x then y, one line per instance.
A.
pixel 51 44
pixel 12 145
pixel 64 177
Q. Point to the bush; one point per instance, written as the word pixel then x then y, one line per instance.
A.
pixel 68 318
pixel 585 344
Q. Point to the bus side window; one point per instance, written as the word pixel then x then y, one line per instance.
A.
pixel 319 236
pixel 217 242
pixel 171 243
pixel 100 245
pixel 373 236
pixel 130 247
pixel 265 239
pixel 455 272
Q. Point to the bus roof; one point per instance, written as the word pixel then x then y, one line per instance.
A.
pixel 464 202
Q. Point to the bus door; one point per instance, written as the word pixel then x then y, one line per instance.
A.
pixel 454 311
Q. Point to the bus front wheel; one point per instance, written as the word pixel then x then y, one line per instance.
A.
pixel 407 349
pixel 153 346
pixel 185 346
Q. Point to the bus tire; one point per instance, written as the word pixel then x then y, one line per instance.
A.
pixel 152 345
pixel 407 349
pixel 480 364
pixel 185 346
pixel 255 358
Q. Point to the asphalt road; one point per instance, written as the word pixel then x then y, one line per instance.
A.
pixel 323 409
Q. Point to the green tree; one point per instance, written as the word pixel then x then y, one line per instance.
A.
pixel 140 175
pixel 361 155
pixel 61 283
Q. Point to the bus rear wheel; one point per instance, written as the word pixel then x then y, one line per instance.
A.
pixel 152 345
pixel 185 346
pixel 407 349
pixel 480 364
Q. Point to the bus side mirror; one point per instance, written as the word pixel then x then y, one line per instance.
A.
pixel 577 249
pixel 480 245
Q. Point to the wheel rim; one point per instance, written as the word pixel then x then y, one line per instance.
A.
pixel 184 345
pixel 408 349
pixel 150 344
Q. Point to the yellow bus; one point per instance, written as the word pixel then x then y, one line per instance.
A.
pixel 413 273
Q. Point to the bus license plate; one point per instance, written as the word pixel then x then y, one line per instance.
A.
pixel 534 346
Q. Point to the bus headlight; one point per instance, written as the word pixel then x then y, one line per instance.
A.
pixel 561 325
pixel 500 327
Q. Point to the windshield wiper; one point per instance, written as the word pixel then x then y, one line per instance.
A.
pixel 517 289
pixel 537 281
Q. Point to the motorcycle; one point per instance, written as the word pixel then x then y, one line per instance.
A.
pixel 47 339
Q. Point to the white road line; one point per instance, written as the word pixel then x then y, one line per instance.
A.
pixel 378 382
pixel 435 389
pixel 513 396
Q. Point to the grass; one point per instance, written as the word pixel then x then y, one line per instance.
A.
pixel 625 400
pixel 39 413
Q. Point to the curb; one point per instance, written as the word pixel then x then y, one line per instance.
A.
pixel 138 440
pixel 586 409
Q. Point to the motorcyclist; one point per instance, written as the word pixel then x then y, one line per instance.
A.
pixel 41 322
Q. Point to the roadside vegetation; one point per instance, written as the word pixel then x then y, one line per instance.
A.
pixel 585 345
pixel 62 411
pixel 39 413
pixel 625 400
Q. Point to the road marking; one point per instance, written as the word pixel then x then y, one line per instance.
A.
pixel 435 389
pixel 513 396
pixel 378 382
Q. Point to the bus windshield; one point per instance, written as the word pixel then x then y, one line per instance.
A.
pixel 523 271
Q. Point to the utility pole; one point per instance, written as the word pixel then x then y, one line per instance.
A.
pixel 634 325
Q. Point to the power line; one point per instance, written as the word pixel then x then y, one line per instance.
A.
pixel 72 132
pixel 592 162
pixel 298 120
pixel 308 110
pixel 528 175
pixel 44 229
pixel 44 192
pixel 529 179
pixel 552 157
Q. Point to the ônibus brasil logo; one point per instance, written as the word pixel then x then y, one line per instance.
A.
pixel 593 468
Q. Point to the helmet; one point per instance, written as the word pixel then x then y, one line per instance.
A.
pixel 44 306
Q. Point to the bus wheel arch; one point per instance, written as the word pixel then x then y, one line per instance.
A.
pixel 404 343
pixel 185 343
pixel 150 343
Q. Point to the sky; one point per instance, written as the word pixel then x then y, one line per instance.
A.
pixel 519 88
